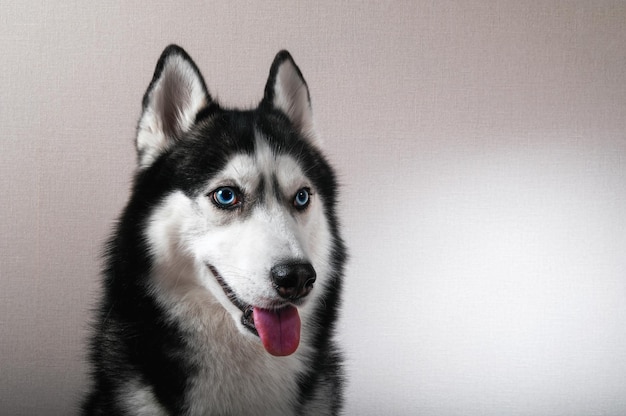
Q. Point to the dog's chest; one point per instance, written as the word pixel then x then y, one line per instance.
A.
pixel 236 376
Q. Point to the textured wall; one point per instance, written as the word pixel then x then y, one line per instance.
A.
pixel 482 148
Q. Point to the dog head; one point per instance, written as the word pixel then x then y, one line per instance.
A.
pixel 243 200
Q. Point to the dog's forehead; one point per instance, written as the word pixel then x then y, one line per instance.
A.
pixel 264 165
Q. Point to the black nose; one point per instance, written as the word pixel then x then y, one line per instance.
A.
pixel 293 280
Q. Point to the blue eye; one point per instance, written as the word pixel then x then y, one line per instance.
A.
pixel 302 198
pixel 226 197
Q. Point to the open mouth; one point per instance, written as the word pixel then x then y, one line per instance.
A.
pixel 247 319
pixel 278 329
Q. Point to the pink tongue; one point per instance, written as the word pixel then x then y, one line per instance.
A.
pixel 279 330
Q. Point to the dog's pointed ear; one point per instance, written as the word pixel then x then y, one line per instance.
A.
pixel 170 105
pixel 287 91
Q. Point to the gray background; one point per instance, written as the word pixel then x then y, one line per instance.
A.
pixel 482 152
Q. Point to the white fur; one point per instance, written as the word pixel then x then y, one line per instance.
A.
pixel 139 400
pixel 185 234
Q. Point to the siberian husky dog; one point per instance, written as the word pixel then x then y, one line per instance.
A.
pixel 223 274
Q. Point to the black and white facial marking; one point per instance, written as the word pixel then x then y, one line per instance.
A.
pixel 254 233
pixel 243 216
pixel 261 238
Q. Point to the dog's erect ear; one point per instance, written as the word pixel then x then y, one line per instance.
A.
pixel 286 90
pixel 175 95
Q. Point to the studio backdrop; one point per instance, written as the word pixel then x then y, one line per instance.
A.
pixel 481 150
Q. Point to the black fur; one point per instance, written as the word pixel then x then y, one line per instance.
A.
pixel 131 333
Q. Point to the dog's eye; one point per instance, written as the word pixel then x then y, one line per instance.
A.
pixel 226 197
pixel 302 198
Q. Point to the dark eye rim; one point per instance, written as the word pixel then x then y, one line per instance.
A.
pixel 308 200
pixel 234 205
